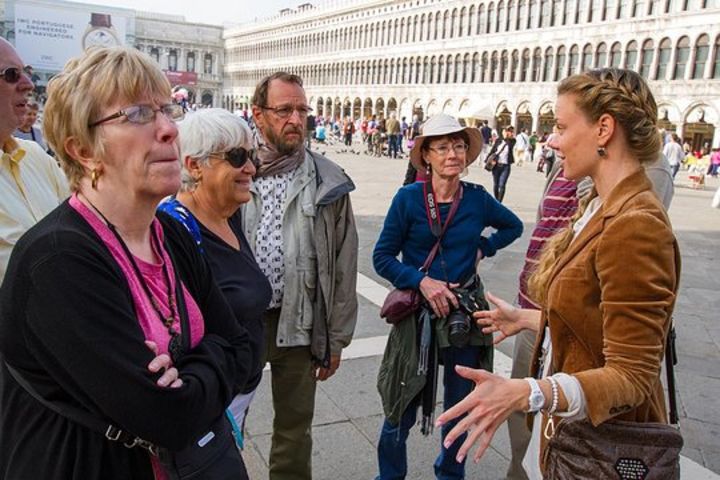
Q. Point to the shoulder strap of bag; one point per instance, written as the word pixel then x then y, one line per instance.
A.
pixel 453 208
pixel 64 410
pixel 670 361
pixel 83 417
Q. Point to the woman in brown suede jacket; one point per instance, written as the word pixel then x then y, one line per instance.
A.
pixel 608 283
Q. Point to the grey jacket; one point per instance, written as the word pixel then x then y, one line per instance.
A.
pixel 319 306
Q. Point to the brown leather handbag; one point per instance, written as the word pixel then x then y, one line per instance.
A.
pixel 616 449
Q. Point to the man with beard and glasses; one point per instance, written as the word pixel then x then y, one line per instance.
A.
pixel 301 227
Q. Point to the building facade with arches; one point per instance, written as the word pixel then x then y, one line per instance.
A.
pixel 491 59
pixel 191 54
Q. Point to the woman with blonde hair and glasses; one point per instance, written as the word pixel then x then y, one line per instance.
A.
pixel 607 284
pixel 117 345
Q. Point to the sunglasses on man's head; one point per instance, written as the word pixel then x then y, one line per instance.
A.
pixel 12 74
pixel 238 157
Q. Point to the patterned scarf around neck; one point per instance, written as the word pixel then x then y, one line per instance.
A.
pixel 273 162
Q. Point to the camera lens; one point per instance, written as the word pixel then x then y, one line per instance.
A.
pixel 459 326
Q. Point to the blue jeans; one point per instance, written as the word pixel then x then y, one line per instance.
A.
pixel 392 446
pixel 393 145
pixel 674 169
pixel 500 174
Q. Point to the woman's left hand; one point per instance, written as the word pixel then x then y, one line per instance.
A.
pixel 490 403
pixel 171 376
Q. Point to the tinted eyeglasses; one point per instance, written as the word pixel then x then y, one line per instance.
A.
pixel 238 157
pixel 458 148
pixel 142 114
pixel 287 111
pixel 12 74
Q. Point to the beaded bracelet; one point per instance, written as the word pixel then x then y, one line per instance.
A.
pixel 555 396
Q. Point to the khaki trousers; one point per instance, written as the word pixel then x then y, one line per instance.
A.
pixel 293 396
pixel 517 424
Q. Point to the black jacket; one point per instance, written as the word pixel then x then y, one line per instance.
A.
pixel 68 325
pixel 510 147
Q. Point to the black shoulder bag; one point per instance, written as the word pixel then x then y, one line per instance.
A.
pixel 492 159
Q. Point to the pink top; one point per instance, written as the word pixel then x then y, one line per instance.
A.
pixel 715 158
pixel 151 325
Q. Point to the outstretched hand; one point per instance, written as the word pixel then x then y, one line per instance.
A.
pixel 505 320
pixel 490 403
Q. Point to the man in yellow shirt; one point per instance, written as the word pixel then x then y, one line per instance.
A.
pixel 31 184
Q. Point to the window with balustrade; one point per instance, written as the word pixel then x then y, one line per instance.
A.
pixel 716 59
pixel 664 53
pixel 702 51
pixel 547 72
pixel 615 55
pixel 646 58
pixel 631 52
pixel 601 56
pixel 682 56
pixel 574 60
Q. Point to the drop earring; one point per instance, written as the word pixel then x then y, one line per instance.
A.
pixel 602 151
pixel 94 176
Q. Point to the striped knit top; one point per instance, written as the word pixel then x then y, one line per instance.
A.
pixel 557 209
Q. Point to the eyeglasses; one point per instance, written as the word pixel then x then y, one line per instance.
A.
pixel 238 157
pixel 12 74
pixel 287 111
pixel 458 148
pixel 142 114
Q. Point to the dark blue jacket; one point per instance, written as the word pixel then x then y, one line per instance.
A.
pixel 406 231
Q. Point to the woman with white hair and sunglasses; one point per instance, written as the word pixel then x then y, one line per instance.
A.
pixel 218 166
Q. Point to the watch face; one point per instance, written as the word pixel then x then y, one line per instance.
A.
pixel 100 38
pixel 537 400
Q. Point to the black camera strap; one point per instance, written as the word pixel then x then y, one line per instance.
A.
pixel 427 362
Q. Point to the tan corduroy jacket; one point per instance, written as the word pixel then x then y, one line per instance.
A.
pixel 610 299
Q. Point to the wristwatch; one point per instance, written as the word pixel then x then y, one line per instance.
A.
pixel 536 400
pixel 100 32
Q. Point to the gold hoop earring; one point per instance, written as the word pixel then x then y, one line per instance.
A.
pixel 94 176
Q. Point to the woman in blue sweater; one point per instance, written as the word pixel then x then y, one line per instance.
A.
pixel 440 330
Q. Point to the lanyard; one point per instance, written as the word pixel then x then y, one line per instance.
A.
pixel 175 347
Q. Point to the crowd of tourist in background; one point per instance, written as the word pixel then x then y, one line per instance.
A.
pixel 172 254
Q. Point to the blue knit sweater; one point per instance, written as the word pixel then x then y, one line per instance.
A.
pixel 406 231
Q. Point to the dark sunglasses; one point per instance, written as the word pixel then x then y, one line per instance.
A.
pixel 238 157
pixel 12 74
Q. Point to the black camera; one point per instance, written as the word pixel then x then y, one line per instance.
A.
pixel 459 319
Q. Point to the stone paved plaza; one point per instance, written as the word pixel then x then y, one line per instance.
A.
pixel 348 410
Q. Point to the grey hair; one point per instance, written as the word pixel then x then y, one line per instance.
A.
pixel 207 131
